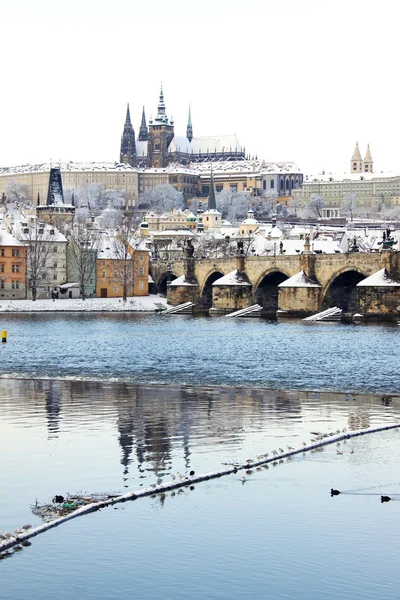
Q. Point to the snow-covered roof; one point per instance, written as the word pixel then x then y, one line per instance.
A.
pixel 181 281
pixel 299 280
pixel 220 143
pixel 379 279
pixel 280 167
pixel 46 232
pixel 343 177
pixel 228 166
pixel 67 166
pixel 212 211
pixel 173 233
pixel 233 278
pixel 69 285
pixel 7 239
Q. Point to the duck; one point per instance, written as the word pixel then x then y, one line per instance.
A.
pixel 385 498
pixel 334 492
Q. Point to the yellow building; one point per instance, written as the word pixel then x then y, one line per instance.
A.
pixel 176 219
pixel 12 267
pixel 118 268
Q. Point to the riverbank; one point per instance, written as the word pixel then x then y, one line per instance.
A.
pixel 135 304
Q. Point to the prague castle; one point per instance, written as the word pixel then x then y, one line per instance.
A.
pixel 157 145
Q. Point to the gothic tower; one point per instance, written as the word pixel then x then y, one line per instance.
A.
pixel 161 134
pixel 143 131
pixel 368 163
pixel 189 128
pixel 128 145
pixel 356 164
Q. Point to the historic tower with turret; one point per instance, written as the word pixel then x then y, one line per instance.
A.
pixel 356 165
pixel 161 134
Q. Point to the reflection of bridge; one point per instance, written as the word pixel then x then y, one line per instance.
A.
pixel 335 275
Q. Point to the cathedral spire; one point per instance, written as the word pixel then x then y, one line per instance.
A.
pixel 128 145
pixel 161 114
pixel 128 116
pixel 212 205
pixel 143 131
pixel 189 128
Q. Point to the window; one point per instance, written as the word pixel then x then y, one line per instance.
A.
pixel 1 268
pixel 51 231
pixel 15 285
pixel 272 184
pixel 116 289
pixel 103 274
pixel 141 286
pixel 2 252
pixel 55 276
pixel 15 268
pixel 115 273
pixel 219 188
pixel 2 284
pixel 233 187
pixel 141 257
pixel 104 263
pixel 141 271
pixel 15 252
pixel 55 265
pixel 55 249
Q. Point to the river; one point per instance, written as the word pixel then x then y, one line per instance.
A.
pixel 92 403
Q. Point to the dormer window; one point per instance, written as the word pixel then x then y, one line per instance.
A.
pixel 51 231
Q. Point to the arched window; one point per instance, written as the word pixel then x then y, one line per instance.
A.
pixel 287 183
pixel 272 184
pixel 264 185
pixel 282 185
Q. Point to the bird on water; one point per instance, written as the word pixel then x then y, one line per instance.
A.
pixel 385 498
pixel 334 492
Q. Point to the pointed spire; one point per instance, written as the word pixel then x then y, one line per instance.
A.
pixel 161 114
pixel 189 128
pixel 356 163
pixel 356 153
pixel 128 116
pixel 143 131
pixel 212 205
pixel 368 162
pixel 128 145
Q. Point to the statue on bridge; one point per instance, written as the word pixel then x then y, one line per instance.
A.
pixel 189 250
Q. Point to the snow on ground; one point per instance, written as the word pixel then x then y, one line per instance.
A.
pixel 136 304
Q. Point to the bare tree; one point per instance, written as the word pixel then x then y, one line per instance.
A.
pixel 349 204
pixel 315 204
pixel 82 253
pixel 122 249
pixel 36 237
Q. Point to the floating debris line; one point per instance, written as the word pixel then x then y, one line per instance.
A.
pixel 23 535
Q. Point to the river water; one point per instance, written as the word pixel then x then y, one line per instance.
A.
pixel 98 404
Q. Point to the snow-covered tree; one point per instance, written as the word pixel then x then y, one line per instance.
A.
pixel 349 204
pixel 294 205
pixel 315 204
pixel 113 199
pixel 272 195
pixel 161 199
pixel 281 210
pixel 262 207
pixel 16 192
pixel 88 196
pixel 82 253
pixel 232 205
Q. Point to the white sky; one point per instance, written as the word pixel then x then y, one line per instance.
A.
pixel 297 80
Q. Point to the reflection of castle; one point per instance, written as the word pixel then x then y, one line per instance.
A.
pixel 157 145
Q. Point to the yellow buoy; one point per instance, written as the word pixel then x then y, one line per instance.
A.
pixel 4 336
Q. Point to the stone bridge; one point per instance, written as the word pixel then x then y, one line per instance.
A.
pixel 334 278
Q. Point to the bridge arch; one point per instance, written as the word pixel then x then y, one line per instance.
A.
pixel 266 290
pixel 162 282
pixel 205 300
pixel 341 289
